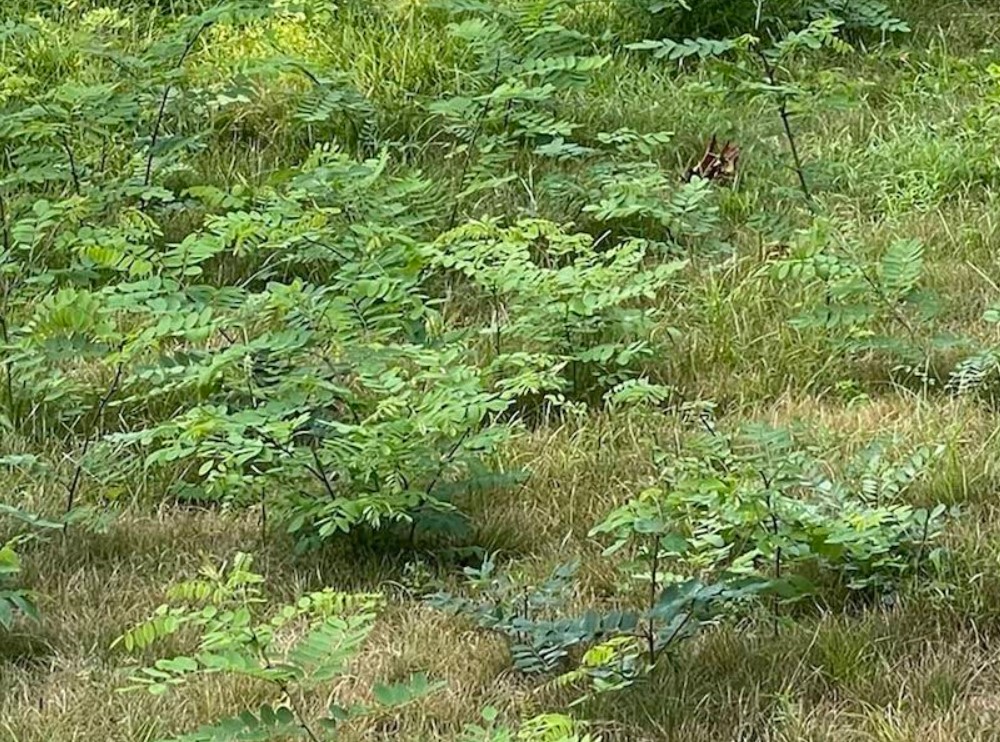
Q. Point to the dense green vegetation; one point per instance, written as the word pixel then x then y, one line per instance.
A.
pixel 498 370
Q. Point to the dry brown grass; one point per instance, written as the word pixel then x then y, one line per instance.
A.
pixel 926 669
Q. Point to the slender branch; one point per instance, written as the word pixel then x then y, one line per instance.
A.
pixel 880 291
pixel 767 481
pixel 74 485
pixel 8 367
pixel 923 544
pixel 498 335
pixel 680 627
pixel 155 133
pixel 318 471
pixel 263 516
pixel 573 365
pixel 508 109
pixel 72 163
pixel 300 717
pixel 773 517
pixel 480 119
pixel 319 84
pixel 786 123
pixel 232 341
pixel 337 253
pixel 777 566
pixel 305 71
pixel 283 687
pixel 897 315
pixel 323 476
pixel 651 631
pixel 437 476
pixel 4 227
pixel 447 460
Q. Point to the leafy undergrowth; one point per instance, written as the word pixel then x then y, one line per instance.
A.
pixel 411 369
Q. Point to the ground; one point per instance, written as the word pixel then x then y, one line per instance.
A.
pixel 900 142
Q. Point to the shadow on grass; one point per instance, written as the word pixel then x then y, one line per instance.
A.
pixel 26 646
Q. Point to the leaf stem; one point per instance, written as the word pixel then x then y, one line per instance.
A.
pixel 74 485
pixel 155 133
pixel 72 163
pixel 477 128
pixel 653 577
pixel 786 123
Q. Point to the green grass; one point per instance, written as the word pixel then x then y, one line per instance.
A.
pixel 899 142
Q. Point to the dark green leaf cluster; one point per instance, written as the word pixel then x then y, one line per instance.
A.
pixel 616 645
pixel 756 504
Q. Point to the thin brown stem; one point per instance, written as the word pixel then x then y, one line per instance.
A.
pixel 437 477
pixel 653 579
pixel 896 314
pixel 923 544
pixel 318 470
pixel 299 716
pixel 155 133
pixel 777 573
pixel 680 627
pixel 786 123
pixel 73 487
pixel 773 518
pixel 447 460
pixel 324 478
pixel 74 174
pixel 8 369
pixel 477 128
pixel 4 227
pixel 263 516
pixel 283 687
